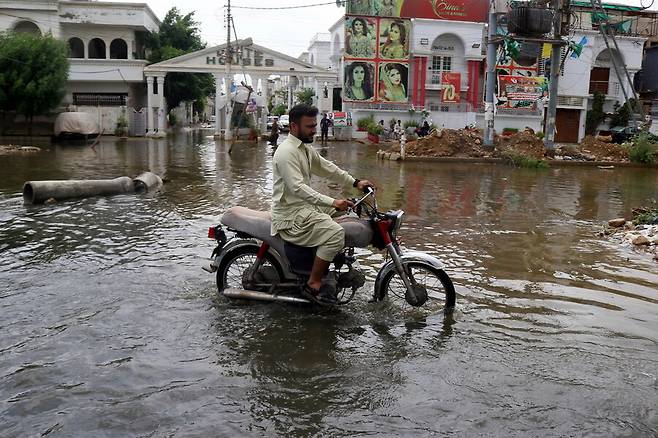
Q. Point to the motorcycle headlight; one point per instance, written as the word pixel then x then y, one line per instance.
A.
pixel 398 223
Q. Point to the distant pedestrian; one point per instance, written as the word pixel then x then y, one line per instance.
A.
pixel 324 128
pixel 274 133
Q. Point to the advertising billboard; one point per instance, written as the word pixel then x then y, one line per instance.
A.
pixel 450 87
pixel 520 91
pixel 459 10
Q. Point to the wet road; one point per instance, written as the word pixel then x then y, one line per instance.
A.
pixel 109 328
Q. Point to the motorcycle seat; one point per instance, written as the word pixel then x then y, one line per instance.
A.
pixel 358 232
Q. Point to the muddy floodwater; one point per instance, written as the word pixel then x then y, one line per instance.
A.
pixel 109 328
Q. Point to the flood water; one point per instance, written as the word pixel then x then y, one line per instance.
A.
pixel 108 326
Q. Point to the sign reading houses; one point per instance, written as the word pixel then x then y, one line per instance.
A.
pixel 249 57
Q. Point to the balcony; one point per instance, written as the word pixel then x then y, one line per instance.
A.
pixel 610 89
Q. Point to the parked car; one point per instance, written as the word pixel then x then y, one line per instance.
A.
pixel 284 123
pixel 620 134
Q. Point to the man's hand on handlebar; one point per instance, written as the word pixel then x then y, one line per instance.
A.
pixel 342 204
pixel 363 184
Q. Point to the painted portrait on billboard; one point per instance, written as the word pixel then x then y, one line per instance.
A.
pixel 394 38
pixel 393 80
pixel 359 81
pixel 360 37
pixel 361 7
pixel 387 8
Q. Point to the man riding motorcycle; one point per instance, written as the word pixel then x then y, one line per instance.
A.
pixel 301 215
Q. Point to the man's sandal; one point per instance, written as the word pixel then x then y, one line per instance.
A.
pixel 322 296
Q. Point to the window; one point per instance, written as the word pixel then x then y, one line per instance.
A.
pixel 76 48
pixel 100 99
pixel 598 80
pixel 439 64
pixel 118 49
pixel 443 63
pixel 97 49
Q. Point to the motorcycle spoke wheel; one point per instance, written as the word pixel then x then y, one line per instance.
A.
pixel 436 282
pixel 233 271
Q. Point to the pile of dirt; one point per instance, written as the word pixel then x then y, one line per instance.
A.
pixel 446 143
pixel 599 150
pixel 523 143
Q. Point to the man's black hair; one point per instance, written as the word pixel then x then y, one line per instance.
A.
pixel 298 111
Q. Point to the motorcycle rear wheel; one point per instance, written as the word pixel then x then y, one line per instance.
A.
pixel 437 283
pixel 233 268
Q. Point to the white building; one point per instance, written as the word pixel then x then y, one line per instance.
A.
pixel 107 51
pixel 459 46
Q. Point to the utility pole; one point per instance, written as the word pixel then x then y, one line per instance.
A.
pixel 229 60
pixel 549 134
pixel 491 79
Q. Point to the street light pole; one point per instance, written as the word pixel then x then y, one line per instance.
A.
pixel 549 134
pixel 229 60
pixel 491 79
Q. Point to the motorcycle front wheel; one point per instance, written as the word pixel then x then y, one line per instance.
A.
pixel 436 282
pixel 233 271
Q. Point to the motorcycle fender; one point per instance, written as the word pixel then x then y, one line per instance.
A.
pixel 408 257
pixel 235 244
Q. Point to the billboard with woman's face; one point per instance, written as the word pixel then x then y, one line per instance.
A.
pixel 393 81
pixel 394 38
pixel 360 37
pixel 359 81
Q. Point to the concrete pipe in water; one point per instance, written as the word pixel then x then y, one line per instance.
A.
pixel 36 192
pixel 147 182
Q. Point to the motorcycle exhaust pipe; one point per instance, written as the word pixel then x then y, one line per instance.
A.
pixel 263 296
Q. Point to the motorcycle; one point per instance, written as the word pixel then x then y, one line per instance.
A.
pixel 254 265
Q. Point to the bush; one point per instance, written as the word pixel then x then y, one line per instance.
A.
pixel 364 122
pixel 596 115
pixel 520 160
pixel 279 110
pixel 122 126
pixel 646 215
pixel 643 149
pixel 375 129
pixel 409 123
pixel 510 131
pixel 540 135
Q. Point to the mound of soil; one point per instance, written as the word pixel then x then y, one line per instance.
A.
pixel 446 143
pixel 523 143
pixel 603 151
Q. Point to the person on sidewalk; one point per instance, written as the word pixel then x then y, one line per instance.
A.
pixel 301 215
pixel 324 128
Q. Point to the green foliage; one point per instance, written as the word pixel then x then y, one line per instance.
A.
pixel 596 115
pixel 643 149
pixel 540 135
pixel 178 35
pixel 509 131
pixel 33 73
pixel 279 110
pixel 122 126
pixel 622 113
pixel 408 123
pixel 646 215
pixel 305 95
pixel 520 160
pixel 364 122
pixel 375 129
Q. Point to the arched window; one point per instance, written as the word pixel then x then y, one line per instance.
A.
pixel 118 49
pixel 97 49
pixel 27 27
pixel 76 48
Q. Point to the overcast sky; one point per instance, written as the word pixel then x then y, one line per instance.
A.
pixel 287 31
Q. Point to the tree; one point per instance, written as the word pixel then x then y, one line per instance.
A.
pixel 305 95
pixel 622 113
pixel 596 115
pixel 178 35
pixel 33 73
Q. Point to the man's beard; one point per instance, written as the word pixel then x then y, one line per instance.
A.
pixel 306 139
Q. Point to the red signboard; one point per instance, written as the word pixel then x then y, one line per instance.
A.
pixel 457 10
pixel 451 87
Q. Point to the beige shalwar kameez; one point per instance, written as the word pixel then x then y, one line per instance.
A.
pixel 301 215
